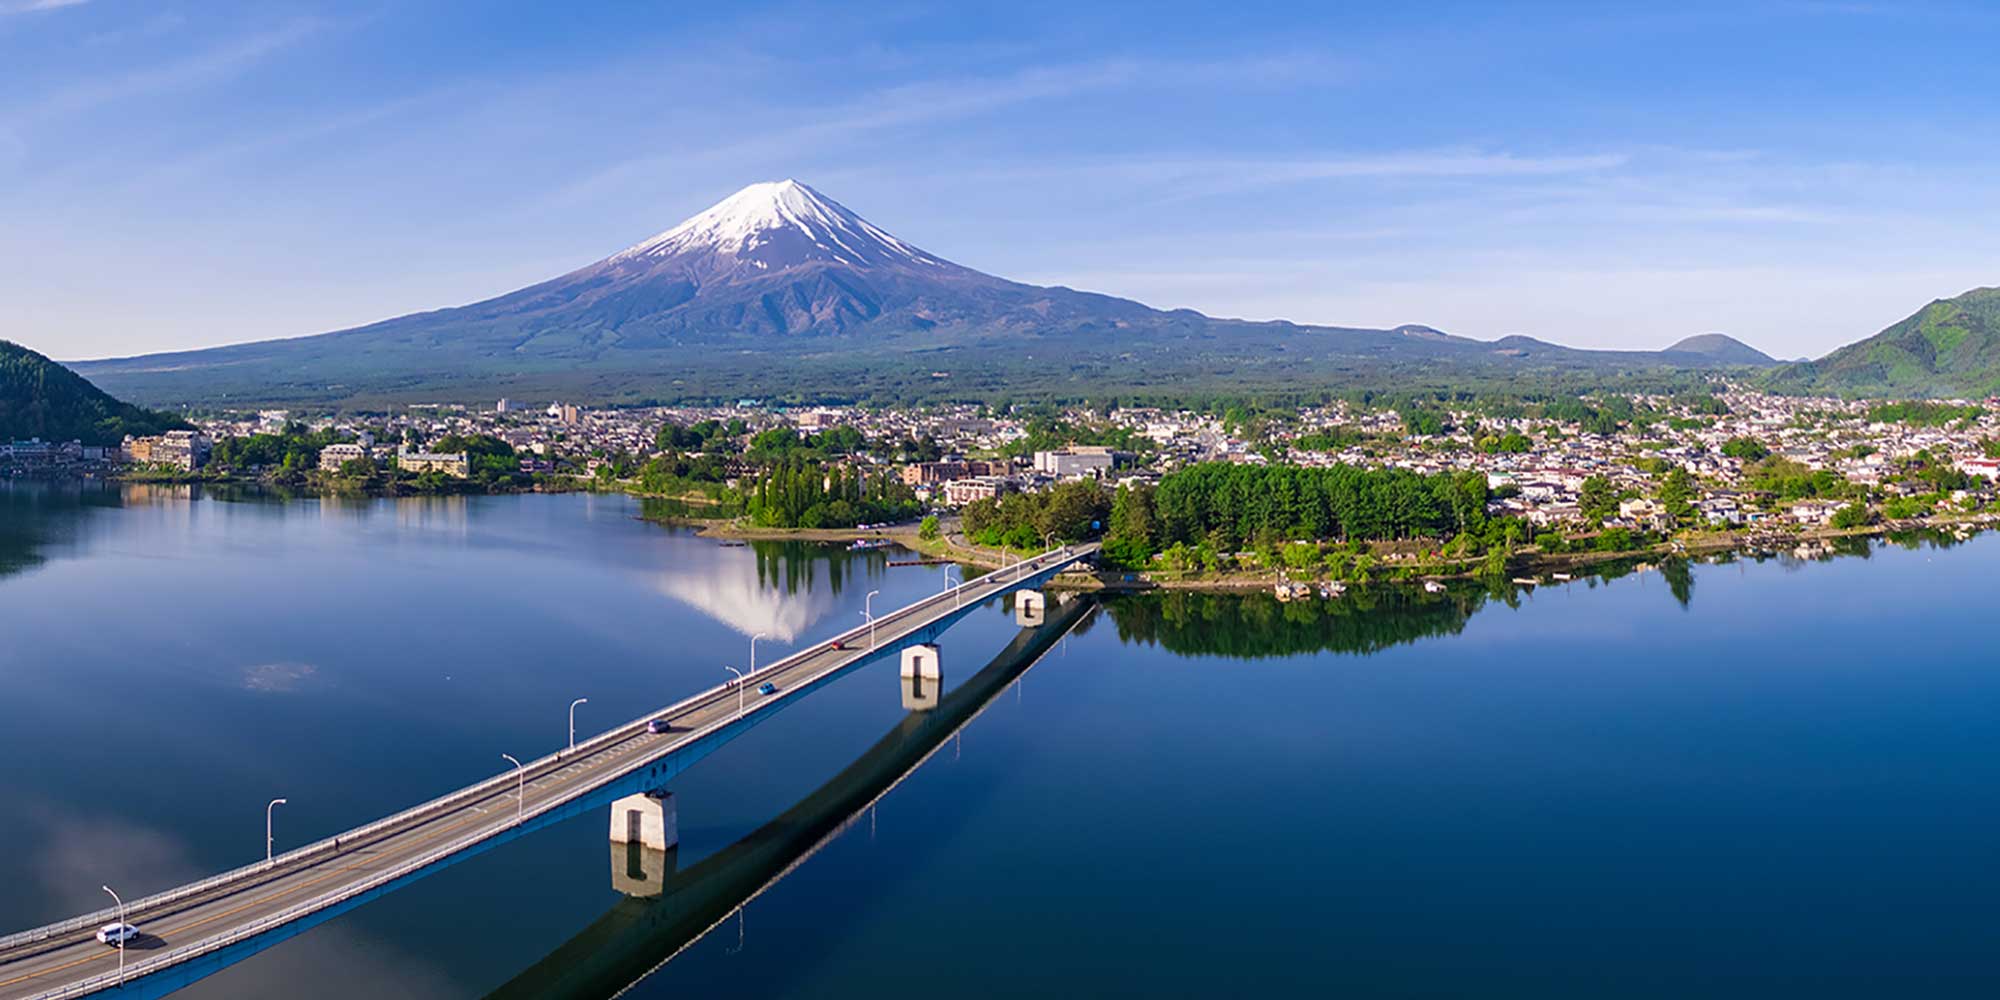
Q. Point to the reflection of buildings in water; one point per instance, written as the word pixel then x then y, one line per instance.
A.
pixel 732 595
pixel 343 510
pixel 439 514
pixel 674 908
pixel 138 494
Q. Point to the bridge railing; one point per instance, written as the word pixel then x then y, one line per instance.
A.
pixel 502 781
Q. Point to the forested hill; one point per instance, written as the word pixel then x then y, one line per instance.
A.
pixel 1948 348
pixel 39 398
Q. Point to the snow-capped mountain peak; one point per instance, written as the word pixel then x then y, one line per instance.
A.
pixel 780 224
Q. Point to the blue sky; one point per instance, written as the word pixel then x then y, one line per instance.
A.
pixel 1799 174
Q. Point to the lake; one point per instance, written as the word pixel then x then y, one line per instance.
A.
pixel 1743 779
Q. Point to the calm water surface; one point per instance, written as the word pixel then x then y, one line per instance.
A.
pixel 1743 780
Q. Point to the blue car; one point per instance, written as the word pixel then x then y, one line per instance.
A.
pixel 767 688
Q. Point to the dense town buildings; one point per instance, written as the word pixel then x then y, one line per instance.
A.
pixel 1537 466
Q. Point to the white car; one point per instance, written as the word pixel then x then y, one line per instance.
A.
pixel 116 934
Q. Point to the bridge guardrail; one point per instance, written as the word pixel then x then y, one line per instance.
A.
pixel 500 781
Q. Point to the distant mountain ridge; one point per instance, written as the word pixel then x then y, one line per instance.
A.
pixel 778 289
pixel 42 399
pixel 1950 348
pixel 1722 347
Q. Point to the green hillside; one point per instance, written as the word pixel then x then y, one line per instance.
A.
pixel 1949 348
pixel 39 398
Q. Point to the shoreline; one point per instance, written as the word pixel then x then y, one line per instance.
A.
pixel 1537 565
pixel 1526 566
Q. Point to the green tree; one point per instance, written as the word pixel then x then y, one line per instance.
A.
pixel 1854 515
pixel 1747 449
pixel 1597 500
pixel 1677 492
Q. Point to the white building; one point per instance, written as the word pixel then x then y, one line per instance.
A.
pixel 1082 460
pixel 333 456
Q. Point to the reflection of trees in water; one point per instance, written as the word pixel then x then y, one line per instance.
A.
pixel 1680 579
pixel 1259 625
pixel 795 567
pixel 35 515
pixel 1917 538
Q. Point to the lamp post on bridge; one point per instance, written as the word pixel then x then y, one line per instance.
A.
pixel 520 789
pixel 275 803
pixel 868 612
pixel 572 721
pixel 739 690
pixel 121 934
pixel 753 651
pixel 951 579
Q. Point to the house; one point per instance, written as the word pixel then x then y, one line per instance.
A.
pixel 457 464
pixel 333 456
pixel 965 491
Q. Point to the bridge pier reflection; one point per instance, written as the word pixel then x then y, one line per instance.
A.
pixel 645 839
pixel 922 676
pixel 642 872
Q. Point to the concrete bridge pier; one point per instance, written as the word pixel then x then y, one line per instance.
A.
pixel 645 843
pixel 922 677
pixel 1031 608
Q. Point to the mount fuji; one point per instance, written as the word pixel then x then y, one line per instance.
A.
pixel 780 291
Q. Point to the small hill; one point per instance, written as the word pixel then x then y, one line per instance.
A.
pixel 1948 348
pixel 39 398
pixel 1722 348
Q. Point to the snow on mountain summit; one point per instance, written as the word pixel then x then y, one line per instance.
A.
pixel 780 224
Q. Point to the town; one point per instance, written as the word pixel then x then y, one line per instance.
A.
pixel 1599 471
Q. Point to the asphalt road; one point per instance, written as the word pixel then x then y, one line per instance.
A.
pixel 34 968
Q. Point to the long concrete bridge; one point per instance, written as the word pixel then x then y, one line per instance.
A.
pixel 666 909
pixel 195 930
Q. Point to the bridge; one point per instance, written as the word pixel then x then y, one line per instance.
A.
pixel 197 929
pixel 665 910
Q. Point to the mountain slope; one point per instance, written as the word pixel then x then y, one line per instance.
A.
pixel 1722 349
pixel 779 289
pixel 39 398
pixel 1948 348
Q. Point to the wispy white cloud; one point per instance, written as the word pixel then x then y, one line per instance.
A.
pixel 198 163
pixel 218 63
pixel 31 6
pixel 959 98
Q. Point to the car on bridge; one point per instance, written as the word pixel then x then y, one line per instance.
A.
pixel 659 726
pixel 117 934
pixel 767 688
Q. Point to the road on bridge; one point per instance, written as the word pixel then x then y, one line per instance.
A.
pixel 71 962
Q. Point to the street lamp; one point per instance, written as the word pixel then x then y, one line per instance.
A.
pixel 121 933
pixel 739 690
pixel 275 803
pixel 520 789
pixel 572 721
pixel 955 583
pixel 753 651
pixel 868 612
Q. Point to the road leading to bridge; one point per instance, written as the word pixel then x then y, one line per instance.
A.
pixel 195 930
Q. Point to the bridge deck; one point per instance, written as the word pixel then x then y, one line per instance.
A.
pixel 192 931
